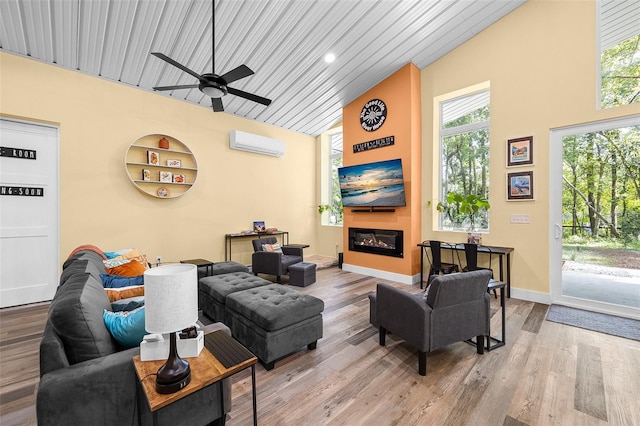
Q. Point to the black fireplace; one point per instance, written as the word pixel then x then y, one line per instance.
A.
pixel 376 241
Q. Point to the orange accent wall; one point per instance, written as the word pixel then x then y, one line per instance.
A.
pixel 401 94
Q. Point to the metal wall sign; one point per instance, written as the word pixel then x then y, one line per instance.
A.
pixel 22 191
pixel 376 143
pixel 27 154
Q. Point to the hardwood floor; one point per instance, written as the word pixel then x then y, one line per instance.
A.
pixel 547 373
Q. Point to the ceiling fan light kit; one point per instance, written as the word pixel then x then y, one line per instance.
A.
pixel 213 85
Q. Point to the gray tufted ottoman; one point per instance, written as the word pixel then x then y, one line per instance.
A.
pixel 274 321
pixel 213 291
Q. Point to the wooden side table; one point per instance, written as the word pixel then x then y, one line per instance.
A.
pixel 201 262
pixel 222 357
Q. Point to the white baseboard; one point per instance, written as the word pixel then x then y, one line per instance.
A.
pixel 385 275
pixel 531 296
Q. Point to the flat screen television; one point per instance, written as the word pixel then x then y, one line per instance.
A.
pixel 379 184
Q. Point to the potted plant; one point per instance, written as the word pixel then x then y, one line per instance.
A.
pixel 463 210
pixel 335 212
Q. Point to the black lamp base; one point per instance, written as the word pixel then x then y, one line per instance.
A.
pixel 175 374
pixel 165 388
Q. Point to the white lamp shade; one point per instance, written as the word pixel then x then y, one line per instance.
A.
pixel 170 298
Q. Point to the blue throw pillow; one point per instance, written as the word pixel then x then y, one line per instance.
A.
pixel 118 281
pixel 126 327
pixel 127 304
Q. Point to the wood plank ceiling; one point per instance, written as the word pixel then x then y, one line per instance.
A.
pixel 283 41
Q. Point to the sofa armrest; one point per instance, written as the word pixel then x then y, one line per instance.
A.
pixel 404 314
pixel 292 251
pixel 267 263
pixel 97 391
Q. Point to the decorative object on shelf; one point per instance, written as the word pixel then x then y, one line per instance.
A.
pixel 165 176
pixel 171 303
pixel 258 226
pixel 520 186
pixel 153 158
pixel 463 210
pixel 373 115
pixel 143 158
pixel 520 151
pixel 163 143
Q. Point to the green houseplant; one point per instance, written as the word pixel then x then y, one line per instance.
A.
pixel 335 212
pixel 462 211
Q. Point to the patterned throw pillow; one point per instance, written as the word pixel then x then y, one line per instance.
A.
pixel 124 292
pixel 126 327
pixel 126 267
pixel 277 248
pixel 117 281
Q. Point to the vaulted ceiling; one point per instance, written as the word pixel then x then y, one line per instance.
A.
pixel 282 41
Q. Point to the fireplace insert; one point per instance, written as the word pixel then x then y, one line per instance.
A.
pixel 376 241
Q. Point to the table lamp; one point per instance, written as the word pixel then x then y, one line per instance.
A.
pixel 171 304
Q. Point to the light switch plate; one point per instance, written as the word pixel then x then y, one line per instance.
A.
pixel 520 218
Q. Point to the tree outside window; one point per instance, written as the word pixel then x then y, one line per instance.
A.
pixel 464 158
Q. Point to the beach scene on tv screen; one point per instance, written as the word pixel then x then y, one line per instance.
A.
pixel 373 184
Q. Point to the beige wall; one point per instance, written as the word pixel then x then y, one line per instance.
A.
pixel 540 61
pixel 98 121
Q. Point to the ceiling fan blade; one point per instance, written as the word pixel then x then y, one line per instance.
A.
pixel 216 103
pixel 175 64
pixel 237 73
pixel 184 86
pixel 250 96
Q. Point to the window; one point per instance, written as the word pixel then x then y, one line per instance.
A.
pixel 464 159
pixel 331 198
pixel 619 29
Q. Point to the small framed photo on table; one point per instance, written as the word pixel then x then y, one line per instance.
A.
pixel 520 186
pixel 258 226
pixel 166 176
pixel 520 151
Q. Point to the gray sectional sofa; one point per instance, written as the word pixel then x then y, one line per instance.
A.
pixel 86 378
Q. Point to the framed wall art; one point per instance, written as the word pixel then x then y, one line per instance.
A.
pixel 520 151
pixel 520 186
pixel 166 176
pixel 179 178
pixel 153 158
pixel 174 163
pixel 146 174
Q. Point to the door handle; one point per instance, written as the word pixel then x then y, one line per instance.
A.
pixel 557 231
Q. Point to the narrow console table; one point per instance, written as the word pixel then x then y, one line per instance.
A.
pixel 502 252
pixel 230 237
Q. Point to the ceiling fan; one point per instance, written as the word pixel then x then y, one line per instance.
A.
pixel 212 84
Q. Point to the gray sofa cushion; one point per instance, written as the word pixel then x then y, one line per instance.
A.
pixel 220 286
pixel 274 306
pixel 76 316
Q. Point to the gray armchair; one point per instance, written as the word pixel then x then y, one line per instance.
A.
pixel 456 308
pixel 273 263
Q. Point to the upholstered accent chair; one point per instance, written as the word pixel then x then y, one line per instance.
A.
pixel 276 262
pixel 456 307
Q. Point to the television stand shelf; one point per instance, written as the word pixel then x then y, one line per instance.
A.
pixel 373 210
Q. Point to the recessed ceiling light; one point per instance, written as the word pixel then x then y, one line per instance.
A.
pixel 329 57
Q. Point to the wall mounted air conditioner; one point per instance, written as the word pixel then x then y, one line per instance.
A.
pixel 255 143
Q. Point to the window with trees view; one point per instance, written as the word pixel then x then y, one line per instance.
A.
pixel 619 52
pixel 464 161
pixel 601 174
pixel 334 207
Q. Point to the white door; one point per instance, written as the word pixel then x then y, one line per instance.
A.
pixel 556 273
pixel 29 237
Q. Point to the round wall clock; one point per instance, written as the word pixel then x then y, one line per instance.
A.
pixel 373 115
